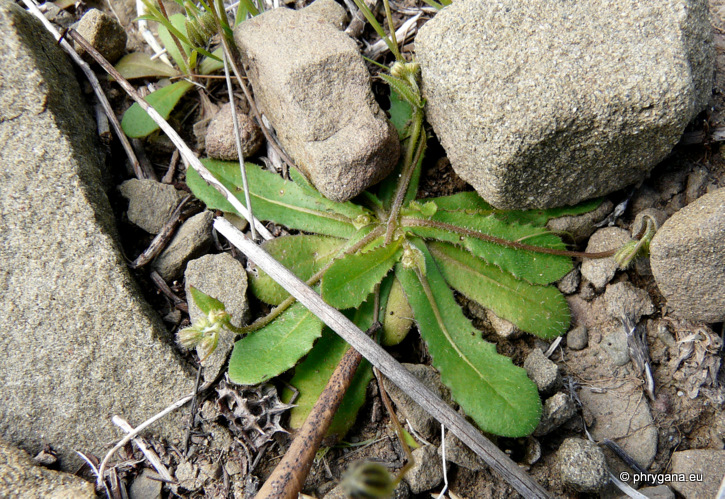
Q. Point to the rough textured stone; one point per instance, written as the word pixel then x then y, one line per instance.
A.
pixel 20 476
pixel 687 256
pixel 427 472
pixel 145 486
pixel 533 104
pixel 615 344
pixel 459 453
pixel 220 142
pixel 706 462
pixel 600 271
pixel 570 282
pixel 79 344
pixel 224 278
pixel 312 85
pixel 582 464
pixel 542 371
pixel 577 338
pixel 625 301
pixel 192 240
pixel 104 33
pixel 418 418
pixel 330 11
pixel 557 410
pixel 150 203
pixel 503 328
pixel 621 416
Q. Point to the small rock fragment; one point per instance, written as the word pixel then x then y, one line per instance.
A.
pixel 187 474
pixel 312 85
pixel 583 466
pixel 104 33
pixel 581 227
pixel 427 472
pixel 224 278
pixel 192 239
pixel 557 411
pixel 600 271
pixel 707 464
pixel 570 282
pixel 150 203
pixel 503 328
pixel 542 371
pixel 145 486
pixel 330 11
pixel 418 418
pixel 696 182
pixel 625 301
pixel 687 256
pixel 577 338
pixel 220 142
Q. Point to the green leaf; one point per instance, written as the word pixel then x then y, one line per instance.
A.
pixel 210 65
pixel 395 312
pixel 205 302
pixel 352 278
pixel 499 396
pixel 471 203
pixel 137 123
pixel 275 199
pixel 539 310
pixel 139 65
pixel 400 113
pixel 313 373
pixel 275 348
pixel 178 27
pixel 535 267
pixel 302 254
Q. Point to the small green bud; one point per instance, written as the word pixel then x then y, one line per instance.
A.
pixel 413 258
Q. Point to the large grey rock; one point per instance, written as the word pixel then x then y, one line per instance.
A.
pixel 534 105
pixel 707 464
pixel 312 85
pixel 78 344
pixel 20 477
pixel 687 256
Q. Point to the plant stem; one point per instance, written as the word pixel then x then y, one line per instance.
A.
pixel 290 300
pixel 415 148
pixel 419 222
pixel 391 29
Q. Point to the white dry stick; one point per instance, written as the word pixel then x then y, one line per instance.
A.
pixel 132 434
pixel 443 457
pixel 423 396
pixel 149 453
pixel 143 28
pixel 238 142
pixel 94 83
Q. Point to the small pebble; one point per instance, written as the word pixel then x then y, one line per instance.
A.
pixel 542 371
pixel 583 466
pixel 578 338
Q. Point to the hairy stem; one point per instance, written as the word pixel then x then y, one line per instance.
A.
pixel 418 222
pixel 413 153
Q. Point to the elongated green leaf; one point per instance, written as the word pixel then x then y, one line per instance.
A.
pixel 302 254
pixel 313 373
pixel 210 65
pixel 178 22
pixel 205 302
pixel 537 268
pixel 539 310
pixel 472 204
pixel 274 199
pixel 352 211
pixel 140 65
pixel 400 113
pixel 352 278
pixel 277 347
pixel 136 123
pixel 499 396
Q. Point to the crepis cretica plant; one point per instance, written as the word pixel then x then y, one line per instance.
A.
pixel 412 252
